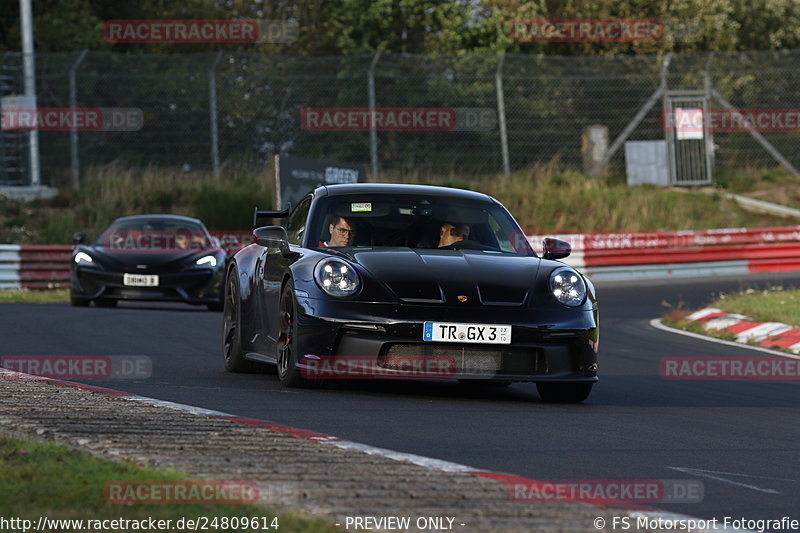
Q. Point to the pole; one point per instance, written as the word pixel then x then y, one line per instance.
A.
pixel 373 135
pixel 501 115
pixel 73 132
pixel 29 75
pixel 212 110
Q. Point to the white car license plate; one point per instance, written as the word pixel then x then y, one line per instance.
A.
pixel 475 333
pixel 140 280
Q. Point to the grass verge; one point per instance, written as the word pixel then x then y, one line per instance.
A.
pixel 544 199
pixel 48 479
pixel 29 296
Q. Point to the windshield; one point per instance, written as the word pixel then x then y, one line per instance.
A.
pixel 417 221
pixel 154 234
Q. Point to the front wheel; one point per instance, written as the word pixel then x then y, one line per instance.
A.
pixel 564 392
pixel 288 372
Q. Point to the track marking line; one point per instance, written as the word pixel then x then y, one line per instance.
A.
pixel 657 324
pixel 710 474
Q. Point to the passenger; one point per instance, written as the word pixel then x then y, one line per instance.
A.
pixel 451 233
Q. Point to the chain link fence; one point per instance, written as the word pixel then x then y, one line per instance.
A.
pixel 201 110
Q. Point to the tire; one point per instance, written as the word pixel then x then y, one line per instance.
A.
pixel 564 392
pixel 79 302
pixel 232 354
pixel 217 306
pixel 105 303
pixel 287 347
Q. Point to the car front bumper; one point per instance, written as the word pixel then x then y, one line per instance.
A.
pixel 547 344
pixel 193 286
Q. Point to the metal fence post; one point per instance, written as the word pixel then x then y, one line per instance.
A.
pixel 622 137
pixel 212 111
pixel 373 135
pixel 501 115
pixel 29 84
pixel 74 162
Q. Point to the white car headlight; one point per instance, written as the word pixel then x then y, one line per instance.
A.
pixel 83 257
pixel 207 260
pixel 337 278
pixel 567 286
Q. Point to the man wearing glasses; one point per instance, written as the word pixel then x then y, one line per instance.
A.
pixel 342 233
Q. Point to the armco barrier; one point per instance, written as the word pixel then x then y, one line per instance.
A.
pixel 34 267
pixel 603 256
pixel 610 256
pixel 47 267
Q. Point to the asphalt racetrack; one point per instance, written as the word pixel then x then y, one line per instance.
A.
pixel 740 438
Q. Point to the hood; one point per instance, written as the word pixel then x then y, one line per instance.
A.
pixel 442 276
pixel 144 261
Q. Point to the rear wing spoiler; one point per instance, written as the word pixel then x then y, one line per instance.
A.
pixel 259 215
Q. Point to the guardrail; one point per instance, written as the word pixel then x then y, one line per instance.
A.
pixel 618 256
pixel 34 267
pixel 47 266
pixel 603 256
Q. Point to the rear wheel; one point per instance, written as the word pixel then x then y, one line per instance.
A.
pixel 232 329
pixel 287 355
pixel 564 392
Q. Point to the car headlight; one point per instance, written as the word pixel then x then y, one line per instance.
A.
pixel 567 286
pixel 337 278
pixel 207 260
pixel 83 257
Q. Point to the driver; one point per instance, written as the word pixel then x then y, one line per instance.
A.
pixel 452 232
pixel 342 232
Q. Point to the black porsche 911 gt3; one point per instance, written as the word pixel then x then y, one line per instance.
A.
pixel 148 257
pixel 404 281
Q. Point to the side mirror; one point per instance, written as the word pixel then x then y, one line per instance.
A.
pixel 267 236
pixel 79 237
pixel 556 248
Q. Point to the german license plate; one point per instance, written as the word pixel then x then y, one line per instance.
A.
pixel 473 333
pixel 140 280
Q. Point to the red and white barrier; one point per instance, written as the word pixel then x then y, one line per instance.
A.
pixel 683 253
pixel 34 267
pixel 47 267
pixel 603 256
